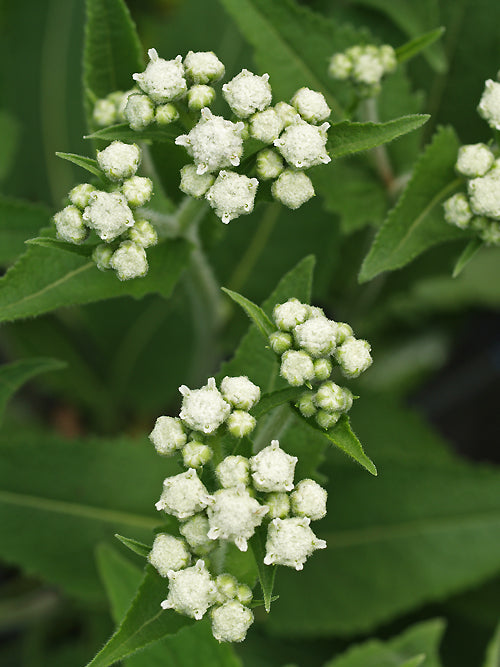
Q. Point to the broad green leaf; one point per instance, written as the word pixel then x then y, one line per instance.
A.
pixel 14 375
pixel 48 242
pixel 346 138
pixel 417 222
pixel 468 253
pixel 493 651
pixel 19 221
pixel 256 314
pixel 267 573
pixel 343 437
pixel 87 163
pixel 274 399
pixel 414 46
pixel 134 545
pixel 419 645
pixel 9 138
pixel 120 577
pixel 123 132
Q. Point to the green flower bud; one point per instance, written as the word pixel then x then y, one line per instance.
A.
pixel 240 423
pixel 280 342
pixel 196 454
pixel 166 114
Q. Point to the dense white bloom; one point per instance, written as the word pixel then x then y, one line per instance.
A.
pixel 80 195
pixel 340 66
pixel 168 435
pixel 195 184
pixel 317 336
pixel 104 113
pixel 232 195
pixel 354 357
pixel 166 114
pixel 474 160
pixel 292 188
pixel 231 621
pixel 241 392
pixel 203 409
pixel 196 454
pixel 203 66
pixel 287 315
pixel 309 499
pixel 304 145
pixel 102 255
pixel 290 542
pixel 137 190
pixel 168 553
pixel 129 261
pixel 268 164
pixel 333 398
pixel 163 80
pixel 326 419
pixel 240 423
pixel 266 125
pixel 279 505
pixel 489 105
pixel 247 93
pixel 311 105
pixel 195 531
pixel 234 515
pixel 288 114
pixel 233 471
pixel 191 591
pixel 306 404
pixel 70 226
pixel 484 194
pixel 280 341
pixel 368 68
pixel 214 142
pixel 296 367
pixel 109 214
pixel 183 495
pixel 119 161
pixel 200 96
pixel 139 111
pixel 322 369
pixel 273 469
pixel 457 210
pixel 143 233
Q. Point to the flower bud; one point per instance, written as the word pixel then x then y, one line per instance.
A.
pixel 326 419
pixel 70 226
pixel 163 80
pixel 241 392
pixel 280 342
pixel 304 145
pixel 80 195
pixel 297 367
pixel 119 161
pixel 340 66
pixel 139 111
pixel 166 114
pixel 233 471
pixel 168 553
pixel 194 184
pixel 183 495
pixel 109 214
pixel 309 499
pixel 234 515
pixel 104 113
pixel 196 454
pixel 290 542
pixel 200 96
pixel 168 435
pixel 279 505
pixel 191 591
pixel 292 188
pixel 306 404
pixel 489 105
pixel 311 105
pixel 322 369
pixel 137 190
pixel 268 164
pixel 287 315
pixel 265 125
pixel 244 593
pixel 247 93
pixel 474 160
pixel 232 195
pixel 102 256
pixel 204 409
pixel 194 531
pixel 333 398
pixel 143 233
pixel 240 423
pixel 203 67
pixel 230 621
pixel 227 586
pixel 484 195
pixel 354 357
pixel 317 336
pixel 273 469
pixel 129 261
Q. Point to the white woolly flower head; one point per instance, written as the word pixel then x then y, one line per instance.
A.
pixel 268 164
pixel 240 423
pixel 266 125
pixel 139 111
pixel 163 80
pixel 203 67
pixel 297 367
pixel 214 142
pixel 168 553
pixel 70 226
pixel 327 419
pixel 344 331
pixel 280 341
pixel 290 542
pixel 166 114
pixel 168 435
pixel 333 398
pixel 354 357
pixel 309 500
pixel 287 315
pixel 306 405
pixel 292 188
pixel 368 68
pixel 195 184
pixel 191 591
pixel 279 504
pixel 203 409
pixel 196 454
pixel 183 495
pixel 241 392
pixel 234 516
pixel 474 160
pixel 288 114
pixel 317 336
pixel 311 105
pixel 247 93
pixel 119 160
pixel 109 214
pixel 102 255
pixel 143 233
pixel 273 469
pixel 195 532
pixel 232 195
pixel 233 471
pixel 80 195
pixel 200 96
pixel 484 194
pixel 129 261
pixel 137 190
pixel 230 621
pixel 457 210
pixel 340 66
pixel 489 105
pixel 304 145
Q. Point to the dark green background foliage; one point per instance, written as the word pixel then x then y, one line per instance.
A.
pixel 411 573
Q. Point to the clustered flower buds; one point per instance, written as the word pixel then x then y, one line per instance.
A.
pixel 112 213
pixel 364 66
pixel 310 345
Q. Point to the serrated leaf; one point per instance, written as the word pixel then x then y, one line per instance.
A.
pixel 276 398
pixel 123 132
pixel 267 573
pixel 134 545
pixel 256 314
pixel 346 138
pixel 343 437
pixel 14 375
pixel 414 46
pixel 87 163
pixel 468 253
pixel 48 242
pixel 492 658
pixel 120 577
pixel 416 222
pixel 19 220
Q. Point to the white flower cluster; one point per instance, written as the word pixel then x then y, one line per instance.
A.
pixel 309 344
pixel 489 105
pixel 110 110
pixel 111 213
pixel 364 66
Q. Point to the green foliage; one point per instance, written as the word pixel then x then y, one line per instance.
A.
pixel 19 221
pixel 493 653
pixel 123 132
pixel 87 163
pixel 468 253
pixel 135 546
pixel 415 46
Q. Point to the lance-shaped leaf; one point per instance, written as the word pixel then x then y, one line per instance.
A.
pixel 87 163
pixel 19 220
pixel 267 573
pixel 345 439
pixel 465 257
pixel 125 133
pixel 256 314
pixel 49 242
pixel 134 545
pixel 418 44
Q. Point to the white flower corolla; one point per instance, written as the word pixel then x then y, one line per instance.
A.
pixel 196 454
pixel 297 367
pixel 311 105
pixel 340 66
pixel 230 621
pixel 474 160
pixel 183 495
pixel 247 93
pixel 280 341
pixel 168 553
pixel 265 125
pixel 306 404
pixel 273 469
pixel 104 113
pixel 195 184
pixel 388 58
pixel 109 214
pixel 163 80
pixel 137 190
pixel 457 210
pixel 234 516
pixel 190 591
pixel 214 142
pixel 292 188
pixel 80 195
pixel 279 505
pixel 368 67
pixel 290 542
pixel 326 419
pixel 233 471
pixel 166 114
pixel 333 398
pixel 489 105
pixel 200 96
pixel 203 67
pixel 288 114
pixel 139 111
pixel 129 261
pixel 168 435
pixel 322 369
pixel 227 587
pixel 304 145
pixel 119 160
pixel 309 499
pixel 240 423
pixel 70 226
pixel 344 331
pixel 287 315
pixel 317 336
pixel 195 532
pixel 203 409
pixel 484 194
pixel 232 195
pixel 102 255
pixel 143 233
pixel 268 164
pixel 354 357
pixel 241 392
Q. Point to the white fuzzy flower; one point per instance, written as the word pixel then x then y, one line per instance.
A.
pixel 280 341
pixel 474 160
pixel 344 331
pixel 70 226
pixel 191 591
pixel 137 190
pixel 368 67
pixel 102 255
pixel 322 369
pixel 195 532
pixel 489 105
pixel 230 621
pixel 183 495
pixel 279 505
pixel 166 114
pixel 273 469
pixel 80 195
pixel 139 111
pixel 247 93
pixel 268 164
pixel 168 435
pixel 457 210
pixel 290 542
pixel 326 419
pixel 233 471
pixel 388 58
pixel 287 114
pixel 306 405
pixel 227 587
pixel 484 194
pixel 287 315
pixel 311 105
pixel 317 336
pixel 104 113
pixel 214 142
pixel 292 188
pixel 163 80
pixel 143 233
pixel 333 398
pixel 195 184
pixel 304 145
pixel 203 409
pixel 354 357
pixel 296 367
pixel 119 161
pixel 241 392
pixel 203 67
pixel 109 214
pixel 232 195
pixel 340 66
pixel 200 96
pixel 129 261
pixel 240 423
pixel 196 454
pixel 309 499
pixel 265 125
pixel 168 553
pixel 234 515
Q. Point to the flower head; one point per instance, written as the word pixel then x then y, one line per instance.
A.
pixel 232 195
pixel 234 516
pixel 191 591
pixel 204 409
pixel 273 469
pixel 163 80
pixel 183 495
pixel 231 621
pixel 247 93
pixel 290 542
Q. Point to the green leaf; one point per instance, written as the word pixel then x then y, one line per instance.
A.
pixel 417 222
pixel 256 314
pixel 267 573
pixel 87 163
pixel 19 221
pixel 492 658
pixel 48 242
pixel 135 546
pixel 120 577
pixel 123 132
pixel 14 375
pixel 414 46
pixel 274 399
pixel 343 437
pixel 346 138
pixel 468 253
